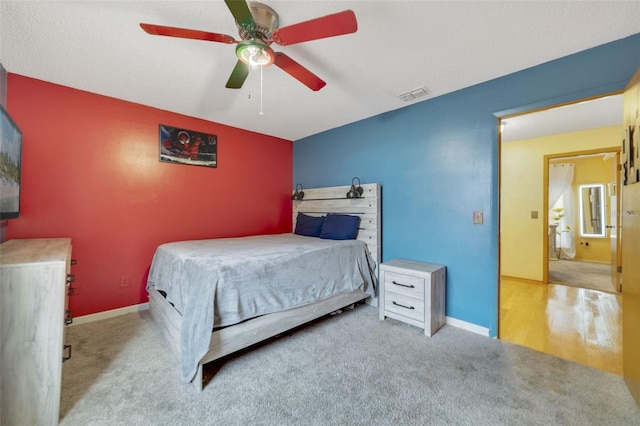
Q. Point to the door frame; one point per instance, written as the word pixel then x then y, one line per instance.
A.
pixel 545 248
pixel 545 201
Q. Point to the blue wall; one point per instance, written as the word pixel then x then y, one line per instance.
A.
pixel 437 162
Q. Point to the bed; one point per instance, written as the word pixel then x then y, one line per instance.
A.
pixel 210 298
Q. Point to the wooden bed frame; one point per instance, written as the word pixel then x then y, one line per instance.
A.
pixel 317 201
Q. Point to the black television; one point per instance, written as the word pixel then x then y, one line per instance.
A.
pixel 10 166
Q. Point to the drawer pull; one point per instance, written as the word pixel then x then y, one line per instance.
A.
pixel 68 357
pixel 402 306
pixel 403 285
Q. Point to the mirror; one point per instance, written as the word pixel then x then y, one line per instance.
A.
pixel 592 210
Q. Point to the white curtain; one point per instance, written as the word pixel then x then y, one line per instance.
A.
pixel 561 207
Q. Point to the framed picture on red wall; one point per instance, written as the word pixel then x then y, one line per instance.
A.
pixel 184 146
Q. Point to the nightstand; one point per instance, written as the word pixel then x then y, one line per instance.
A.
pixel 413 292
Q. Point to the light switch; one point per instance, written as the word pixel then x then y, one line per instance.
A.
pixel 534 214
pixel 477 218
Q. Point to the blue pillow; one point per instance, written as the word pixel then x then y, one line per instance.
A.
pixel 308 226
pixel 340 227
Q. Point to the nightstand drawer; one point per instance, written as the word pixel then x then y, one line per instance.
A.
pixel 404 284
pixel 403 305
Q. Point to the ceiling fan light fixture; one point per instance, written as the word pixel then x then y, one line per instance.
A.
pixel 259 27
pixel 255 53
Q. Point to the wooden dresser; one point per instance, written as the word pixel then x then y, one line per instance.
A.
pixel 34 281
pixel 413 292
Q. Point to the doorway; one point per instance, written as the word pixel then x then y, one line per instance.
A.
pixel 581 208
pixel 554 318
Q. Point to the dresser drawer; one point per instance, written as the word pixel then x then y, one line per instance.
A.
pixel 406 285
pixel 403 305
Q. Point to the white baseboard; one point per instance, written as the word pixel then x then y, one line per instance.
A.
pixel 474 328
pixel 110 314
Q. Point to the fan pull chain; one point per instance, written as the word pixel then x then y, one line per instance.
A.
pixel 261 113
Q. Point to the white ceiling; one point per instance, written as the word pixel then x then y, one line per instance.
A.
pixel 592 114
pixel 399 46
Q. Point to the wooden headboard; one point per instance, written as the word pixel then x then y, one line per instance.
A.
pixel 321 201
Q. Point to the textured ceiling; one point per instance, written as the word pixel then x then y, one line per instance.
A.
pixel 399 46
pixel 592 114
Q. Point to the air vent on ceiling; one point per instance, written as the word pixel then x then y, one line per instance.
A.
pixel 414 94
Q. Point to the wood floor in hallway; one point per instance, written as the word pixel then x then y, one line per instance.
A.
pixel 576 324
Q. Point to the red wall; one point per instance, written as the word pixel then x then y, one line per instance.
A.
pixel 90 171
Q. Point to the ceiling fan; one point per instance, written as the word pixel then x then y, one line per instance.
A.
pixel 258 27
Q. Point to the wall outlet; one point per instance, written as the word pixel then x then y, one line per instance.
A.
pixel 124 281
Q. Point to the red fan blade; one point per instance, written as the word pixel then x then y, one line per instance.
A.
pixel 185 33
pixel 238 75
pixel 299 72
pixel 326 26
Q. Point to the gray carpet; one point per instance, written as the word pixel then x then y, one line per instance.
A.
pixel 343 369
pixel 576 273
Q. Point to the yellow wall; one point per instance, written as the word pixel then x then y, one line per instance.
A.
pixel 521 192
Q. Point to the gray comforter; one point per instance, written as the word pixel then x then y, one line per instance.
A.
pixel 221 282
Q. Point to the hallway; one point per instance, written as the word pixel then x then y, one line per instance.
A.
pixel 575 324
